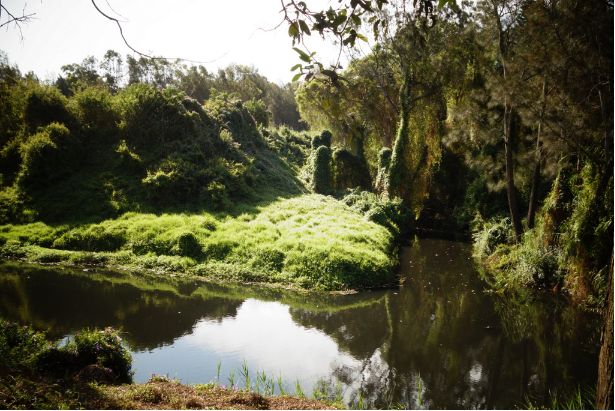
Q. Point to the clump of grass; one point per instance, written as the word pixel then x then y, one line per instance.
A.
pixel 38 373
pixel 579 399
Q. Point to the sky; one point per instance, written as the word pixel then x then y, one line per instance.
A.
pixel 216 32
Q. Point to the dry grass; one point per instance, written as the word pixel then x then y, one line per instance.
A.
pixel 156 395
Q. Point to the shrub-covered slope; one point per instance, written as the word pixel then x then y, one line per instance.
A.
pixel 151 179
pixel 96 155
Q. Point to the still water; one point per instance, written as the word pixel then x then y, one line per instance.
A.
pixel 439 337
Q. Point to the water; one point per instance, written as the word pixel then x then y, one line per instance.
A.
pixel 440 336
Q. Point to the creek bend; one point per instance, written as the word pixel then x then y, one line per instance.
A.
pixel 440 335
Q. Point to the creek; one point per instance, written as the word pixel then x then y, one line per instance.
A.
pixel 439 341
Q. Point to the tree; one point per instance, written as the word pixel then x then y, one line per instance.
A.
pixel 112 65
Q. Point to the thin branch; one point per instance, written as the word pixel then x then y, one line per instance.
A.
pixel 17 20
pixel 119 25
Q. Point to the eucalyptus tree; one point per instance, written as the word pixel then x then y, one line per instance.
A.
pixel 112 65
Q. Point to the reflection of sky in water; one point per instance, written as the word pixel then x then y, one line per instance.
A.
pixel 263 334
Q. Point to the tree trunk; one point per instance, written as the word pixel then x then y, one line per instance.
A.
pixel 510 179
pixel 531 211
pixel 604 391
pixel 503 44
pixel 397 175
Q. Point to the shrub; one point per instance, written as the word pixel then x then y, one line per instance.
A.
pixel 494 233
pixel 391 214
pixel 46 105
pixel 384 161
pixel 350 171
pixel 96 113
pixel 48 155
pixel 19 344
pixel 259 112
pixel 323 139
pixel 186 244
pixel 104 348
pixel 322 181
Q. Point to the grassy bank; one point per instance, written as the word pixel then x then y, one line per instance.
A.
pixel 93 371
pixel 308 242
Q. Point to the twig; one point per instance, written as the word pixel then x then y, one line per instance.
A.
pixel 119 25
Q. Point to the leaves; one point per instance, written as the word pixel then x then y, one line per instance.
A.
pixel 293 30
pixel 304 28
pixel 303 55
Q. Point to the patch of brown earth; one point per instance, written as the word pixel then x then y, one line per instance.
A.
pixel 171 395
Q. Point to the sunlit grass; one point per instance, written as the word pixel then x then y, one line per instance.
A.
pixel 310 241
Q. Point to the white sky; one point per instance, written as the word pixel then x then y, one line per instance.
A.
pixel 67 31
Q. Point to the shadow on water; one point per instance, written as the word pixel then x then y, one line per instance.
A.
pixel 440 335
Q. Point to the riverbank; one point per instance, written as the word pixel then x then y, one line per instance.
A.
pixel 92 370
pixel 156 394
pixel 306 242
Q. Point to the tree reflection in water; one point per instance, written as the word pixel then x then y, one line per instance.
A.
pixel 440 335
pixel 468 348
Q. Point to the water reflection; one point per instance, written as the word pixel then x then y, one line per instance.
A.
pixel 440 335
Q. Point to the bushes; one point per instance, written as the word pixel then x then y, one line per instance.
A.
pixel 322 180
pixel 19 345
pixel 48 155
pixel 570 245
pixel 391 214
pixel 322 139
pixel 23 349
pixel 103 348
pixel 494 233
pixel 45 105
pixel 350 171
pixel 259 112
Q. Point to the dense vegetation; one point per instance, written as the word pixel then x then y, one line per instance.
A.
pixel 460 118
pixel 473 114
pixel 151 179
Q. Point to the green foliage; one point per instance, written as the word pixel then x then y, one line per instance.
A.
pixel 494 233
pixel 349 171
pixel 259 111
pixel 563 249
pixel 322 178
pixel 101 347
pixel 19 345
pixel 45 105
pixel 97 114
pixel 309 241
pixel 481 204
pixel 289 144
pixel 322 139
pixel 25 350
pixel 389 213
pixel 142 148
pixel 384 162
pixel 47 156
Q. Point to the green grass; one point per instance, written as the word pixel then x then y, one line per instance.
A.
pixel 307 242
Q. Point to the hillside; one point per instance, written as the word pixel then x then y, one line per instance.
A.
pixel 150 179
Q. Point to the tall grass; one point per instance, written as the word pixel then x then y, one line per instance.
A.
pixel 268 385
pixel 580 399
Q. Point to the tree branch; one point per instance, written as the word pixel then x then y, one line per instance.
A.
pixel 119 25
pixel 17 20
